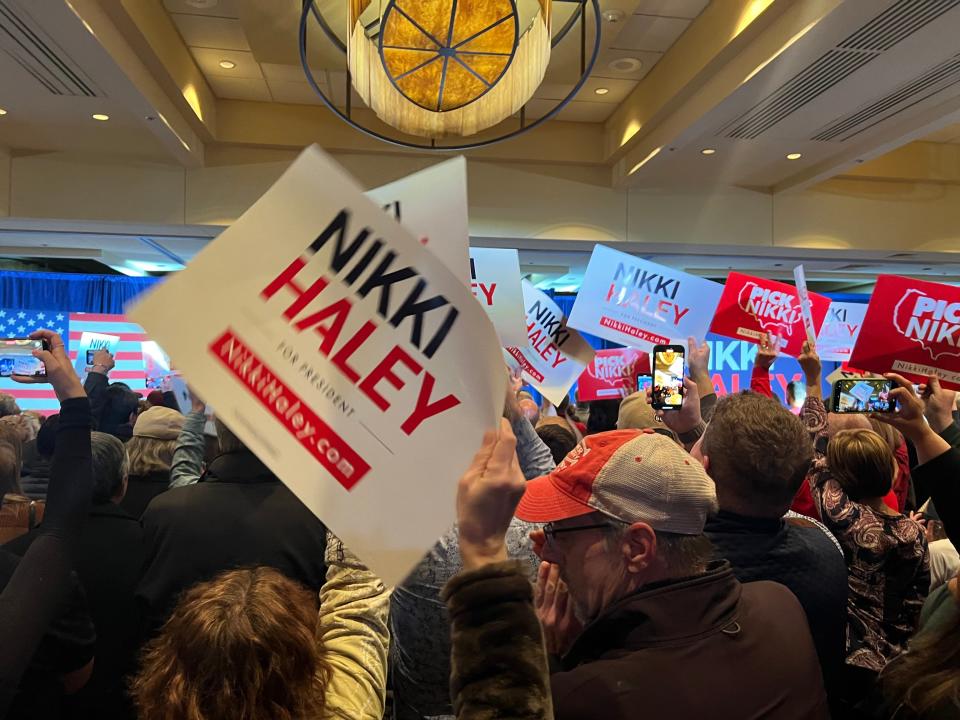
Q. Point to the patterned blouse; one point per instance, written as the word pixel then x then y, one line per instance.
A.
pixel 887 561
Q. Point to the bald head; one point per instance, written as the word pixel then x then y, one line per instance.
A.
pixel 842 421
pixel 530 410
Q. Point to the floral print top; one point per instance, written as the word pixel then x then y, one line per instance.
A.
pixel 888 562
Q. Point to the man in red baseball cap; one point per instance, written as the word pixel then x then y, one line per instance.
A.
pixel 668 632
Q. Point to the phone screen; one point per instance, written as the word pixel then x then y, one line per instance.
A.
pixel 667 391
pixel 90 354
pixel 16 358
pixel 854 395
pixel 644 382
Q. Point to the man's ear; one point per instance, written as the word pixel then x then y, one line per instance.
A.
pixel 639 545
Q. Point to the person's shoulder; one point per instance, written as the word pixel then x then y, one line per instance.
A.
pixel 765 597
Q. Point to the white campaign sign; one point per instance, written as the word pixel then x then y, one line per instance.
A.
pixel 93 341
pixel 553 356
pixel 641 304
pixel 352 361
pixel 800 280
pixel 432 204
pixel 495 282
pixel 840 330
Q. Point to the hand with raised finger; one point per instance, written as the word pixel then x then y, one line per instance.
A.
pixel 487 496
pixel 555 609
pixel 812 369
pixel 768 351
pixel 59 369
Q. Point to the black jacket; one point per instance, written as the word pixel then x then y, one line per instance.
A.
pixel 240 516
pixel 141 489
pixel 703 647
pixel 109 558
pixel 800 556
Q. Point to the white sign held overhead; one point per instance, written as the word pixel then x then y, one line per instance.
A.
pixel 432 205
pixel 345 355
pixel 840 330
pixel 495 283
pixel 800 279
pixel 553 356
pixel 640 304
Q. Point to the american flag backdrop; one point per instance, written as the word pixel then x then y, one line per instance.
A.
pixel 129 355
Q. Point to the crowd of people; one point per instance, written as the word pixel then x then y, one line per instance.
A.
pixel 734 558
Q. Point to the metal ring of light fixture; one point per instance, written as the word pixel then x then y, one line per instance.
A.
pixel 309 7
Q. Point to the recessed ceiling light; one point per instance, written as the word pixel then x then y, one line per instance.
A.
pixel 100 116
pixel 602 91
pixel 794 156
pixel 626 64
pixel 227 64
pixel 2 111
pixel 708 151
pixel 614 16
pixel 202 4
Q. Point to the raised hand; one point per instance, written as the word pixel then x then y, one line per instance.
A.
pixel 812 369
pixel 102 361
pixel 688 416
pixel 487 496
pixel 768 351
pixel 938 404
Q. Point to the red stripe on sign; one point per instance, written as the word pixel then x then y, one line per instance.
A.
pixel 116 356
pixel 31 394
pixel 525 364
pixel 97 317
pixel 131 337
pixel 330 450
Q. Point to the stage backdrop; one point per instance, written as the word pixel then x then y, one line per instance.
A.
pixel 15 322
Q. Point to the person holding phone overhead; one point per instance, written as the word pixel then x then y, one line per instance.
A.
pixel 39 586
pixel 886 552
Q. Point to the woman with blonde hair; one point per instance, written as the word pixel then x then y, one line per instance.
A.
pixel 151 454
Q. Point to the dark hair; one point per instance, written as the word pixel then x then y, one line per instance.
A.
pixel 242 645
pixel 926 678
pixel 862 463
pixel 759 454
pixel 560 440
pixel 109 466
pixel 603 416
pixel 47 435
pixel 121 403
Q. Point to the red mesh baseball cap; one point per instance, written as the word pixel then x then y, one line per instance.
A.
pixel 629 475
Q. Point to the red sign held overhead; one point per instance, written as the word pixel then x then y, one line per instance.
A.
pixel 912 327
pixel 750 307
pixel 612 374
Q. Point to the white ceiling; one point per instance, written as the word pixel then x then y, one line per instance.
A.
pixel 217 30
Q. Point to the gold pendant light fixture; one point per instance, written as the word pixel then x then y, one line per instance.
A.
pixel 442 69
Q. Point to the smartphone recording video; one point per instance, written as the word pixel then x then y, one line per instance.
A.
pixel 16 358
pixel 854 395
pixel 667 391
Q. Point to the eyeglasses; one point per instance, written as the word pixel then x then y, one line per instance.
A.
pixel 551 532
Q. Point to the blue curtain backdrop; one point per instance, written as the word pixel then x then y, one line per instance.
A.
pixel 71 292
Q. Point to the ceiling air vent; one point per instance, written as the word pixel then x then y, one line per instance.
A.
pixel 37 53
pixel 897 22
pixel 933 81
